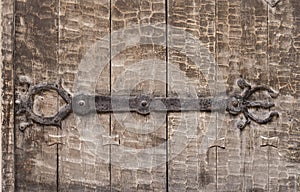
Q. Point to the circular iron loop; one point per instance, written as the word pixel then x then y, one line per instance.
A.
pixel 60 115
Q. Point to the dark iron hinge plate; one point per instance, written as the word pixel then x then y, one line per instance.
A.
pixel 85 104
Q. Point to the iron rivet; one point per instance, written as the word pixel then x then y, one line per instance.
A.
pixel 235 103
pixel 144 103
pixel 81 103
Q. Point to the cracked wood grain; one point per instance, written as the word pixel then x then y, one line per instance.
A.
pixel 254 46
pixel 138 40
pixel 35 58
pixel 188 169
pixel 241 51
pixel 7 96
pixel 250 39
pixel 284 66
pixel 83 160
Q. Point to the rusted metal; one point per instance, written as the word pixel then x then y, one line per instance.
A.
pixel 26 105
pixel 238 104
pixel 143 104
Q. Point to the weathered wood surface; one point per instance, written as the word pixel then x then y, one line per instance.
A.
pixel 35 61
pixel 83 160
pixel 191 71
pixel 150 47
pixel 138 66
pixel 7 95
pixel 242 34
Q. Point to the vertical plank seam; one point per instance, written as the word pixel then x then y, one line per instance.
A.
pixel 1 91
pixel 167 81
pixel 14 93
pixel 268 73
pixel 110 91
pixel 216 80
pixel 242 150
pixel 58 62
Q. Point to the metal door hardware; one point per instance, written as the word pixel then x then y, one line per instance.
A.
pixel 216 143
pixel 269 141
pixel 84 104
pixel 55 139
pixel 220 143
pixel 110 140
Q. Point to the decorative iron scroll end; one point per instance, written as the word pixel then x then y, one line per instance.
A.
pixel 238 104
pixel 24 105
pixel 85 104
pixel 22 126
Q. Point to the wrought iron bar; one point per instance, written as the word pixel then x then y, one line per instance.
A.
pixel 85 104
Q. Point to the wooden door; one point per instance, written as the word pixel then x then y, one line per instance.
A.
pixel 158 48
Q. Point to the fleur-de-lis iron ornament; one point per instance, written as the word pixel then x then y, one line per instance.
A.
pixel 240 104
pixel 84 104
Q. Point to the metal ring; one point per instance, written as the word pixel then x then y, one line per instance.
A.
pixel 56 119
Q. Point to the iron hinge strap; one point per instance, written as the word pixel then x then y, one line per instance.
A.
pixel 143 104
pixel 84 104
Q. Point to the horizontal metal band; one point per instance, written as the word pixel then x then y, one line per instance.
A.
pixel 84 104
pixel 144 105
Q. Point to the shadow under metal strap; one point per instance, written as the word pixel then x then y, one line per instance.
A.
pixel 84 104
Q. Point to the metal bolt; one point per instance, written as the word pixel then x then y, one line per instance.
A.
pixel 144 103
pixel 235 103
pixel 81 103
pixel 24 125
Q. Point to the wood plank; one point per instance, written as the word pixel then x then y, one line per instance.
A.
pixel 7 96
pixel 244 46
pixel 84 67
pixel 228 44
pixel 191 73
pixel 254 53
pixel 242 52
pixel 284 76
pixel 138 67
pixel 35 62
